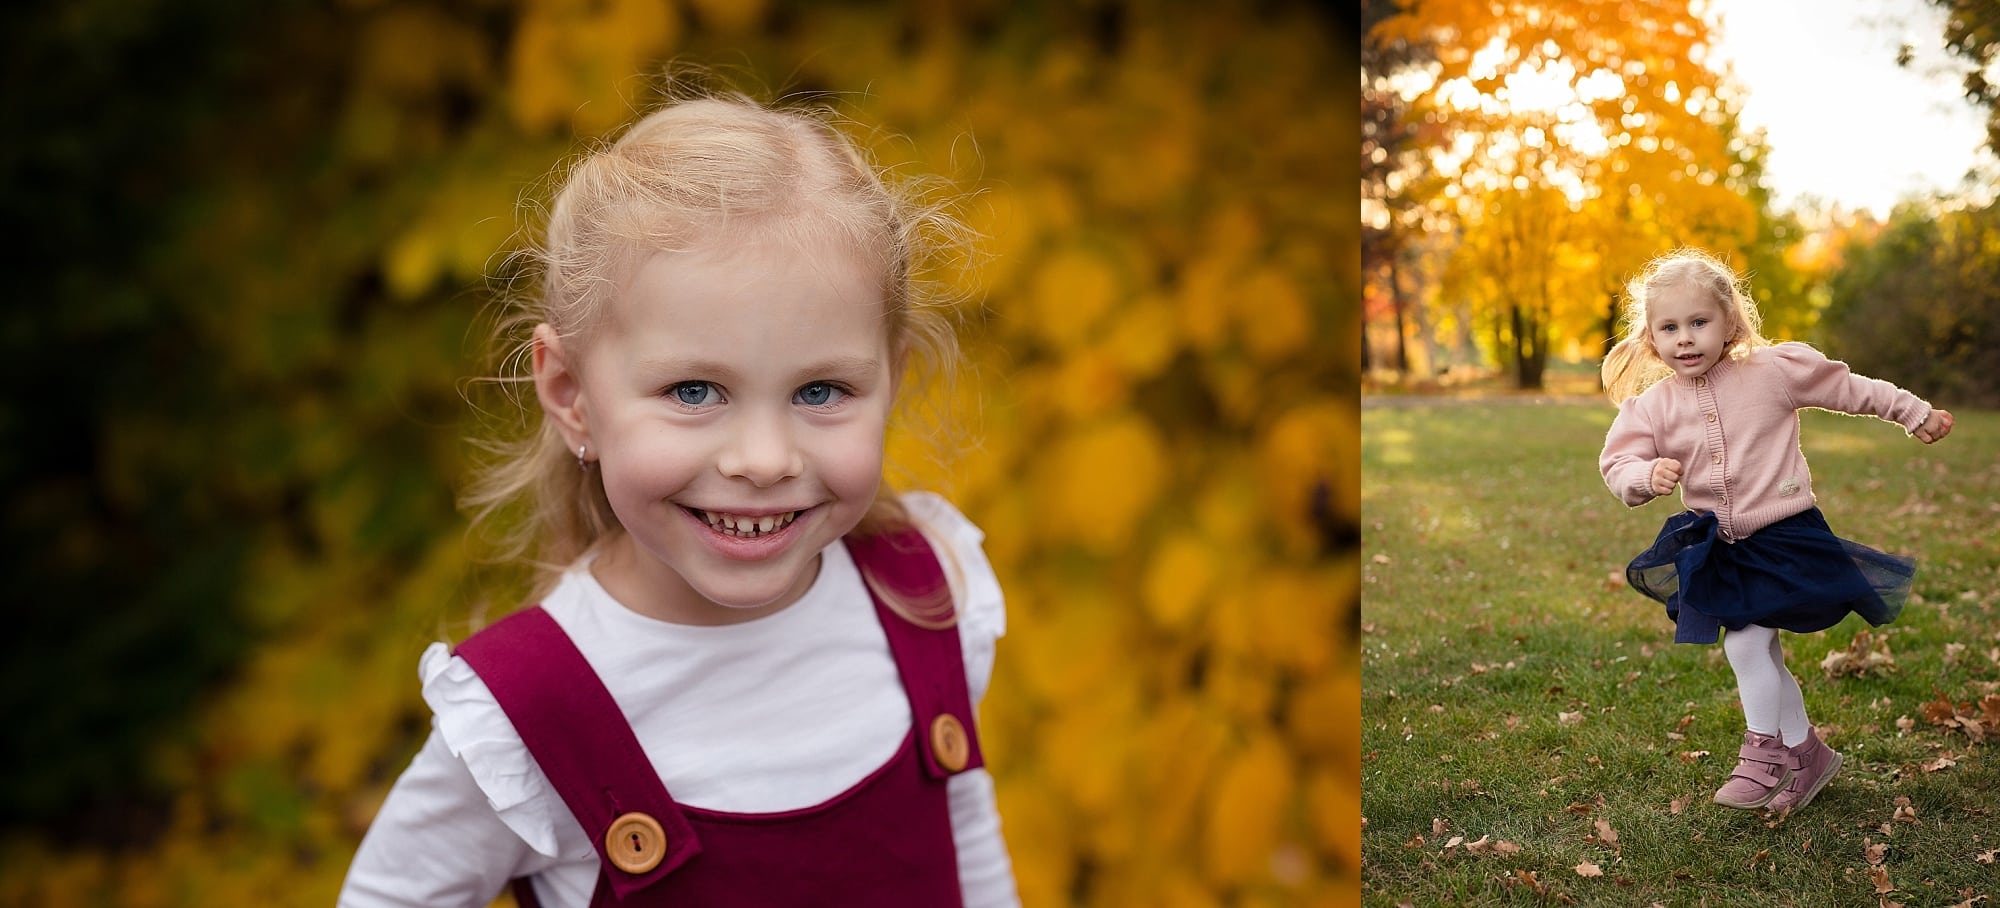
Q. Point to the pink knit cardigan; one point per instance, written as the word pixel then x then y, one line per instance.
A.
pixel 1736 433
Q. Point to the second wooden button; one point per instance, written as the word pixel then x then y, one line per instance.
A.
pixel 635 843
pixel 949 743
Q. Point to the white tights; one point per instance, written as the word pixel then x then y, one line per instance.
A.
pixel 1772 702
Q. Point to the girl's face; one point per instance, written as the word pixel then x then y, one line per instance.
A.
pixel 1688 328
pixel 735 400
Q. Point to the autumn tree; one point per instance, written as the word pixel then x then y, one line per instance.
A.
pixel 1579 137
pixel 1972 31
pixel 1394 180
pixel 1915 303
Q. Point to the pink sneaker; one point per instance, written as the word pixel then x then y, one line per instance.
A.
pixel 1813 765
pixel 1763 769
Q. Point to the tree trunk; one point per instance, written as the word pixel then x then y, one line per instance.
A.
pixel 1367 359
pixel 1531 354
pixel 1396 297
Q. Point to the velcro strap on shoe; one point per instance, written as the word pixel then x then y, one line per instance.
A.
pixel 1765 764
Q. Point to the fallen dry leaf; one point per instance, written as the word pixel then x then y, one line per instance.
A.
pixel 1874 851
pixel 1905 813
pixel 1481 846
pixel 1880 877
pixel 1940 763
pixel 1504 847
pixel 1439 826
pixel 1677 805
pixel 1691 756
pixel 1454 843
pixel 1588 869
pixel 1987 857
pixel 1761 855
pixel 1605 833
pixel 1866 653
pixel 1569 718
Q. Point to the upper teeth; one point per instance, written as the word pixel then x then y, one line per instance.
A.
pixel 742 525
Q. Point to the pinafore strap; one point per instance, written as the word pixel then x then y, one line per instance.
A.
pixel 585 746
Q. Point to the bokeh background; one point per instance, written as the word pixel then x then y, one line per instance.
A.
pixel 250 247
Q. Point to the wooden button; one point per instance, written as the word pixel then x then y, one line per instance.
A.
pixel 949 744
pixel 1716 459
pixel 635 843
pixel 1711 417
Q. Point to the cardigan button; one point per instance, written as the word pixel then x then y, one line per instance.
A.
pixel 949 743
pixel 635 843
pixel 1716 459
pixel 1711 417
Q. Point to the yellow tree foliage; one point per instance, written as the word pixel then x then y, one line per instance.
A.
pixel 1578 139
pixel 1164 467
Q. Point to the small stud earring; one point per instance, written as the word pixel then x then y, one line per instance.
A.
pixel 582 464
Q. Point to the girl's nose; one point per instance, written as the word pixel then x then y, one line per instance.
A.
pixel 761 449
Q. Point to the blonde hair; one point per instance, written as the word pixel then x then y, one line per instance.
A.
pixel 697 167
pixel 1633 365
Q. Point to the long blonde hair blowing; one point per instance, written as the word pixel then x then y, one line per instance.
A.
pixel 693 170
pixel 1633 365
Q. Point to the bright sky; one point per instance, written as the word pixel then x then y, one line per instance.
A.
pixel 1843 121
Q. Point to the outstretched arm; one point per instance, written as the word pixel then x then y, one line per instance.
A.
pixel 1813 380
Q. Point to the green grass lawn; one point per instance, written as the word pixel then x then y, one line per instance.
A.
pixel 1531 735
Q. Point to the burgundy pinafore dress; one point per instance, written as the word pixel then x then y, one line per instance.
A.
pixel 885 842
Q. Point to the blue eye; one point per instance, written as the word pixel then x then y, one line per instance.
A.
pixel 693 393
pixel 819 394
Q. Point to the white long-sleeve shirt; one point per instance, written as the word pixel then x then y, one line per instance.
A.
pixel 474 811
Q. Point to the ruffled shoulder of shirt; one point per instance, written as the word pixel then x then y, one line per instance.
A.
pixel 478 732
pixel 982 610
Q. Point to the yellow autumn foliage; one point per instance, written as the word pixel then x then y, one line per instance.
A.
pixel 1178 578
pixel 1073 291
pixel 574 63
pixel 1246 816
pixel 1273 316
pixel 1161 456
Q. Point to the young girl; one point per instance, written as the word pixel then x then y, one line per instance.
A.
pixel 1718 418
pixel 749 678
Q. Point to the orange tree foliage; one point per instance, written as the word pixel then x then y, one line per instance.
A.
pixel 1579 138
pixel 1163 335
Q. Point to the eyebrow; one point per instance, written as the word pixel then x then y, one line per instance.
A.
pixel 838 366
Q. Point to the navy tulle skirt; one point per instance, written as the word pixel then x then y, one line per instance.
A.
pixel 1794 574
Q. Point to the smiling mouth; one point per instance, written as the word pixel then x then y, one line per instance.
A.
pixel 744 526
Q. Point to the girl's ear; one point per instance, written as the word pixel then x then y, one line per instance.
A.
pixel 559 388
